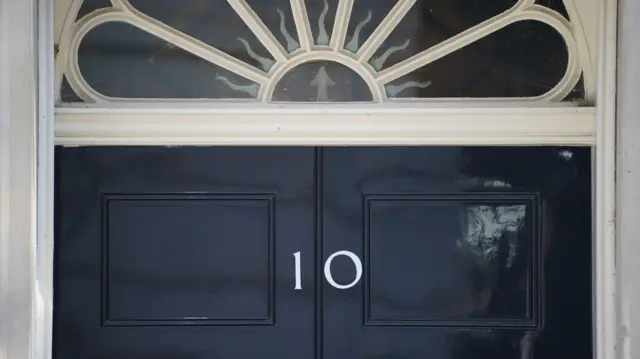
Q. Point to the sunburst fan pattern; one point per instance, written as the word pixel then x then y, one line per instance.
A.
pixel 336 56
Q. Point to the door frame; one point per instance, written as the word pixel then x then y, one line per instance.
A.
pixel 27 138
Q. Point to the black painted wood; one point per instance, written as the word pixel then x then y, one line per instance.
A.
pixel 455 244
pixel 183 253
pixel 466 253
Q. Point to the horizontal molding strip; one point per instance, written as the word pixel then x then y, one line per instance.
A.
pixel 242 125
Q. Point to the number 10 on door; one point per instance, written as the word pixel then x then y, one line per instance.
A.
pixel 327 270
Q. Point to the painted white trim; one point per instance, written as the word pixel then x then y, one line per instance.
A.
pixel 326 126
pixel 606 293
pixel 584 16
pixel 26 287
pixel 341 24
pixel 43 328
pixel 628 179
pixel 18 106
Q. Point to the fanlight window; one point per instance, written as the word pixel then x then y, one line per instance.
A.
pixel 368 51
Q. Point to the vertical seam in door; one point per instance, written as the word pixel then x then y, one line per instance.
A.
pixel 318 199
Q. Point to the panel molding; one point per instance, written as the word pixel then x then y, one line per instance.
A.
pixel 535 297
pixel 309 125
pixel 108 199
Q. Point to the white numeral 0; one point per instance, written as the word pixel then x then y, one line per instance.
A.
pixel 327 270
pixel 356 262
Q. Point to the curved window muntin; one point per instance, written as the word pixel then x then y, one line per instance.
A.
pixel 579 63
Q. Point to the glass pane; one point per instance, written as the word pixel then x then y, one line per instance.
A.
pixel 322 81
pixel 556 5
pixel 278 18
pixel 322 15
pixel 249 46
pixel 365 18
pixel 578 92
pixel 120 60
pixel 66 92
pixel 213 22
pixel 507 63
pixel 430 22
pixel 89 6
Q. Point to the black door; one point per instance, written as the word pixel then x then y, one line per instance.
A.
pixel 466 253
pixel 183 253
pixel 395 252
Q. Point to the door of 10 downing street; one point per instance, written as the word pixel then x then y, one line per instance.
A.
pixel 341 252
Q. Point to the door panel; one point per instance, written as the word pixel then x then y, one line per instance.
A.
pixel 176 253
pixel 402 252
pixel 455 245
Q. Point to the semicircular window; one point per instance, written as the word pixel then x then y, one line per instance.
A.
pixel 319 51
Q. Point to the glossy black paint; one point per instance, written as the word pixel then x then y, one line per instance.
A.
pixel 425 292
pixel 183 253
pixel 467 252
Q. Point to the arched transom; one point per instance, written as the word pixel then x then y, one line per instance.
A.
pixel 318 51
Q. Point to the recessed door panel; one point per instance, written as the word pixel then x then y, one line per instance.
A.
pixel 180 253
pixel 465 253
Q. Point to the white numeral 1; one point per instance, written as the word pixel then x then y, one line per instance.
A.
pixel 298 286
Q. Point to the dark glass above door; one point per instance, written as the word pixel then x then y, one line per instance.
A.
pixel 342 252
pixel 351 51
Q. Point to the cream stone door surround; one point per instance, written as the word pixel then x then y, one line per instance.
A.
pixel 28 83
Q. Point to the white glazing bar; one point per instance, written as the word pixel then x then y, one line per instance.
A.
pixel 192 45
pixel 61 58
pixel 303 26
pixel 341 24
pixel 259 29
pixel 583 16
pixel 563 27
pixel 384 29
pixel 71 64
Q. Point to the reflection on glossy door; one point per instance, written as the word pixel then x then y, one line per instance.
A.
pixel 468 252
pixel 353 252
